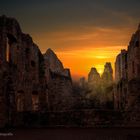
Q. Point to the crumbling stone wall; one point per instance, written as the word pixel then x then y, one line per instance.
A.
pixel 24 84
pixel 107 76
pixel 59 83
pixel 121 80
pixel 121 66
pixel 21 59
pixel 134 56
pixel 128 74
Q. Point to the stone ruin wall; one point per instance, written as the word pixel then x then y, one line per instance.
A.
pixel 23 83
pixel 127 74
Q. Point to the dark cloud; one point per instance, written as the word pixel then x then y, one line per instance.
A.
pixel 50 15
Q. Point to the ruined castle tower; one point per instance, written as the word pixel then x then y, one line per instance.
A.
pixel 94 77
pixel 107 76
pixel 94 81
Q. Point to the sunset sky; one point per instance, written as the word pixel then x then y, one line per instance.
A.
pixel 83 33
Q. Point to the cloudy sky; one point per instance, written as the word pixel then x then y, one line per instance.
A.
pixel 83 33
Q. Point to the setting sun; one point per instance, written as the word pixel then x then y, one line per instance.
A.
pixel 100 71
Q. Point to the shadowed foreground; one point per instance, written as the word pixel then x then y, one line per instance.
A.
pixel 75 134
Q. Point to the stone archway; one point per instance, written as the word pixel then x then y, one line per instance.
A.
pixel 35 101
pixel 20 101
pixel 10 42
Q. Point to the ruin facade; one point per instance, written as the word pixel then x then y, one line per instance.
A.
pixel 59 83
pixel 28 81
pixel 121 80
pixel 127 75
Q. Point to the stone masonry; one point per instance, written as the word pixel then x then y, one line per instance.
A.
pixel 127 75
pixel 28 80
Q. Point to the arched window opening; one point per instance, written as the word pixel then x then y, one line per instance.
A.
pixel 12 39
pixel 7 49
pixel 20 101
pixel 9 41
pixel 35 101
pixel 137 43
pixel 33 63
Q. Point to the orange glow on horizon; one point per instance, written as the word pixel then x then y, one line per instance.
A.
pixel 81 61
pixel 79 50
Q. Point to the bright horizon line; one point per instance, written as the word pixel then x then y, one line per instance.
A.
pixel 96 54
